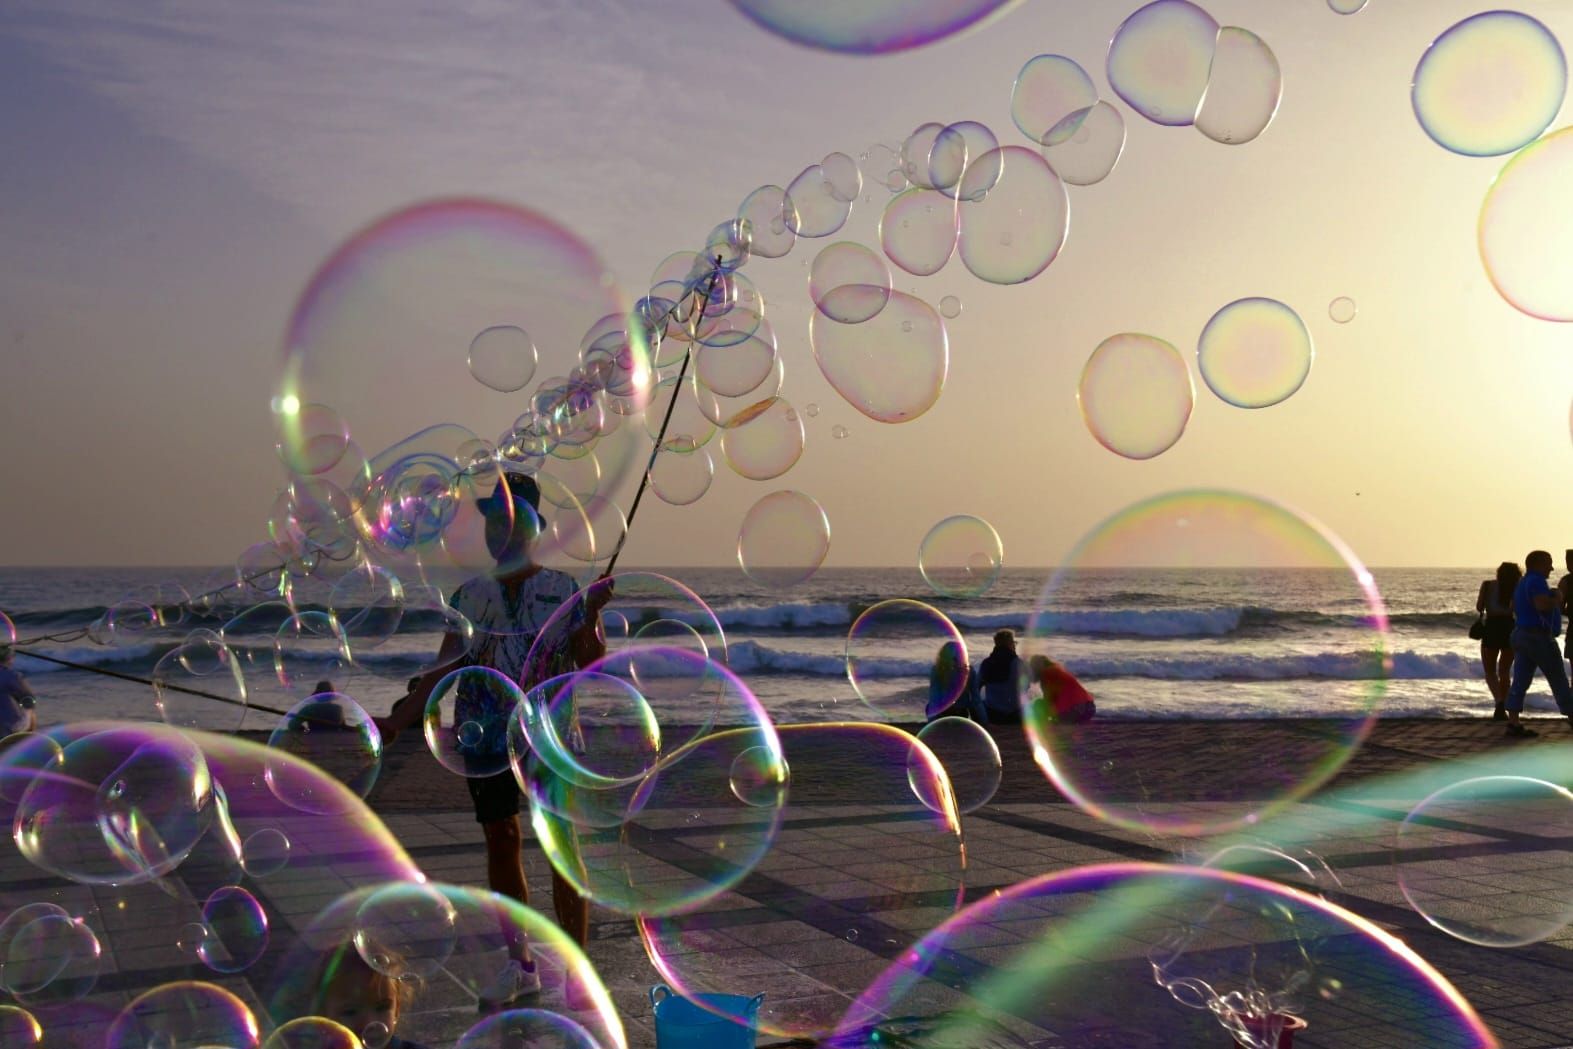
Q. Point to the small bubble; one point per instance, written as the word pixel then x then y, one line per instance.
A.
pixel 839 432
pixel 852 936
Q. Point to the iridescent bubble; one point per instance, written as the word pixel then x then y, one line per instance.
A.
pixel 1048 89
pixel 918 230
pixel 46 955
pixel 1160 58
pixel 765 210
pixel 848 282
pixel 1490 84
pixel 965 161
pixel 1250 545
pixel 527 1029
pixel 736 366
pixel 405 928
pixel 971 759
pixel 187 1014
pixel 238 930
pixel 961 556
pixel 759 777
pixel 814 918
pixel 1518 904
pixel 686 422
pixel 199 685
pixel 1347 7
pixel 503 358
pixel 312 439
pixel 313 1032
pixel 892 368
pixel 480 697
pixel 1342 309
pixel 868 29
pixel 841 171
pixel 1136 395
pixel 1012 234
pixel 916 151
pixel 20 1028
pixel 783 539
pixel 812 207
pixel 950 307
pixel 1525 224
pixel 368 606
pixel 308 649
pixel 1230 950
pixel 593 730
pixel 764 440
pixel 839 432
pixel 718 409
pixel 895 651
pixel 335 735
pixel 731 243
pixel 681 476
pixel 1254 353
pixel 1243 88
pixel 265 852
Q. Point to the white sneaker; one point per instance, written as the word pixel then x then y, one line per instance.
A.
pixel 511 984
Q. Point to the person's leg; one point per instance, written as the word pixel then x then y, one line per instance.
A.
pixel 1504 676
pixel 573 910
pixel 1489 660
pixel 505 876
pixel 1550 661
pixel 1523 674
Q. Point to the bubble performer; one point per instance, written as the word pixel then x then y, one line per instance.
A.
pixel 509 608
pixel 17 713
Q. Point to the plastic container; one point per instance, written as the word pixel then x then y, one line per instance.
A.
pixel 1291 1024
pixel 684 1024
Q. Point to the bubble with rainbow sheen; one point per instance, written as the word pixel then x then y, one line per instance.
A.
pixel 313 1032
pixel 765 212
pixel 1048 89
pixel 1072 956
pixel 1342 310
pixel 1160 58
pixel 875 28
pixel 1244 88
pixel 236 930
pixel 681 476
pixel 1243 546
pixel 20 1028
pixel 1017 229
pixel 812 207
pixel 841 915
pixel 734 366
pixel 1521 905
pixel 918 230
pixel 916 151
pixel 466 721
pixel 528 1029
pixel 1085 146
pixel 893 367
pixel 971 759
pixel 594 730
pixel 1525 221
pixel 503 358
pixel 185 1014
pixel 961 556
pixel 687 796
pixel 965 161
pixel 336 735
pixel 199 684
pixel 759 776
pixel 848 282
pixel 47 955
pixel 783 539
pixel 764 440
pixel 313 439
pixel 893 646
pixel 1255 353
pixel 1490 84
pixel 381 332
pixel 1136 395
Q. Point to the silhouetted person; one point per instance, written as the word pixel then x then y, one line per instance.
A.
pixel 1000 677
pixel 1495 600
pixel 17 712
pixel 953 690
pixel 1536 623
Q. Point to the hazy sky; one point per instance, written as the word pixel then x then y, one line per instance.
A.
pixel 177 170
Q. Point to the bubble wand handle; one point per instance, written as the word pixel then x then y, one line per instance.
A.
pixel 660 439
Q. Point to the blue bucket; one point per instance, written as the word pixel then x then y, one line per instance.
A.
pixel 681 1023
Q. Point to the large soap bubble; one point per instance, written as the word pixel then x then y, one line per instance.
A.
pixel 466 721
pixel 186 1014
pixel 1084 147
pixel 1243 547
pixel 848 283
pixel 1525 223
pixel 1136 395
pixel 868 28
pixel 1142 954
pixel 892 368
pixel 1490 84
pixel 1048 89
pixel 1244 88
pixel 1012 234
pixel 890 646
pixel 783 539
pixel 971 759
pixel 335 735
pixel 199 684
pixel 764 440
pixel 961 556
pixel 1160 58
pixel 1254 353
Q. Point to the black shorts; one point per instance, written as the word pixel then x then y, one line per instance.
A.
pixel 1004 717
pixel 495 797
pixel 1498 632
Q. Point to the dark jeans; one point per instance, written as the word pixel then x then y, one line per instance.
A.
pixel 1537 650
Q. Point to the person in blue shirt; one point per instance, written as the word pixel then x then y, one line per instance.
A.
pixel 1537 620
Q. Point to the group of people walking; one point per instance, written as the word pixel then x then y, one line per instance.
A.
pixel 1520 621
pixel 991 693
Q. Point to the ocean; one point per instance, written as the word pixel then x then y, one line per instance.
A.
pixel 1148 643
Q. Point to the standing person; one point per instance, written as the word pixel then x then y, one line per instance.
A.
pixel 1000 677
pixel 508 608
pixel 1495 601
pixel 1536 623
pixel 17 713
pixel 953 688
pixel 1565 601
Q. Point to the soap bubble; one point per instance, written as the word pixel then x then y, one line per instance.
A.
pixel 1048 89
pixel 593 730
pixel 734 366
pixel 950 307
pixel 688 426
pixel 199 685
pixel 783 539
pixel 873 813
pixel 1244 88
pixel 839 432
pixel 527 1029
pixel 1254 353
pixel 186 1014
pixel 265 852
pixel 891 368
pixel 367 604
pixel 1516 904
pixel 237 931
pixel 759 777
pixel 765 211
pixel 764 440
pixel 1490 84
pixel 406 928
pixel 1342 309
pixel 848 283
pixel 868 29
pixel 965 161
pixel 46 955
pixel 916 151
pixel 1160 58
pixel 918 230
pixel 337 737
pixel 19 1028
pixel 1015 232
pixel 1525 223
pixel 503 358
pixel 841 171
pixel 313 439
pixel 1252 544
pixel 1136 395
pixel 313 1032
pixel 812 208
pixel 1032 963
pixel 1347 7
pixel 681 476
pixel 971 760
pixel 961 556
pixel 718 409
pixel 1087 145
pixel 481 699
pixel 885 644
pixel 309 648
